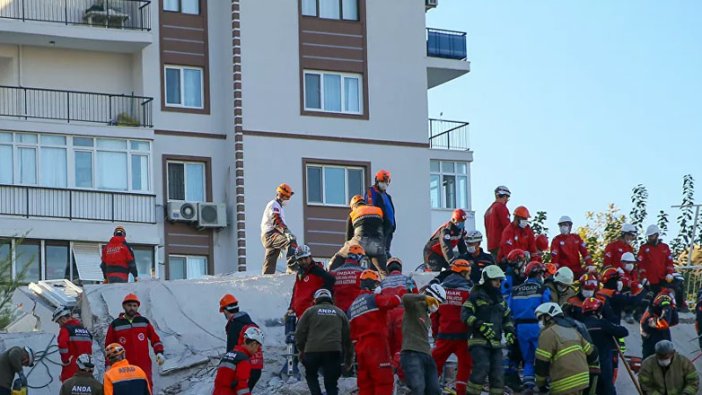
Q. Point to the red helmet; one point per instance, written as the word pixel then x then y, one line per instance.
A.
pixel 516 255
pixel 541 242
pixel 382 176
pixel 589 282
pixel 522 211
pixel 592 305
pixel 609 274
pixel 459 215
pixel 551 268
pixel 663 300
pixel 534 266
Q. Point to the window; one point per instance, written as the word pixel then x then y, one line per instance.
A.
pixel 331 9
pixel 333 185
pixel 28 261
pixel 184 6
pixel 56 258
pixel 187 267
pixel 333 92
pixel 448 184
pixel 183 87
pixel 144 258
pixel 186 181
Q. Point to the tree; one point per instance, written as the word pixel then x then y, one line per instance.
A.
pixel 662 222
pixel 600 229
pixel 685 219
pixel 538 224
pixel 8 285
pixel 638 213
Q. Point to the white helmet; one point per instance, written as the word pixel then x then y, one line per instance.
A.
pixel 255 334
pixel 302 251
pixel 652 230
pixel 61 311
pixel 491 272
pixel 564 276
pixel 550 308
pixel 474 236
pixel 322 293
pixel 564 219
pixel 30 356
pixel 628 228
pixel 85 362
pixel 502 190
pixel 628 257
pixel 437 292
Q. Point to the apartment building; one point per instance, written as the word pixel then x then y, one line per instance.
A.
pixel 177 119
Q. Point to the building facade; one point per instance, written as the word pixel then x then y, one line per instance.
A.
pixel 178 118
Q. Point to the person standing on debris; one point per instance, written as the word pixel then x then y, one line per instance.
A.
pixel 475 255
pixel 118 259
pixel 11 363
pixel 73 340
pixel 438 252
pixel 134 332
pixel 347 278
pixel 369 333
pixel 656 322
pixel 657 267
pixel 323 338
pixel 365 225
pixel 275 235
pixel 568 248
pixel 668 372
pixel 123 378
pixel 561 286
pixel 310 277
pixel 233 375
pixel 496 219
pixel 613 251
pixel 82 382
pixel 517 235
pixel 377 195
pixel 237 323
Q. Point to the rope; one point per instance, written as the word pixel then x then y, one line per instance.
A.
pixel 43 357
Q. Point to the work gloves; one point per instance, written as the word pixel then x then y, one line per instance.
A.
pixel 160 359
pixel 485 329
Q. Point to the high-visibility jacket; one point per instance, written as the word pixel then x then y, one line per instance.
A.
pixel 655 262
pixel 73 340
pixel 121 378
pixel 496 220
pixel 489 308
pixel 365 221
pixel 383 200
pixel 233 373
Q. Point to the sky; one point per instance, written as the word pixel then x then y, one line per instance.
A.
pixel 573 103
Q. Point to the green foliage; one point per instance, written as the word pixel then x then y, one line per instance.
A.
pixel 600 229
pixel 685 219
pixel 637 215
pixel 8 285
pixel 662 222
pixel 538 224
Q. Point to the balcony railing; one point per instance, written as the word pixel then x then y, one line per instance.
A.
pixel 118 14
pixel 30 201
pixel 446 44
pixel 449 135
pixel 70 106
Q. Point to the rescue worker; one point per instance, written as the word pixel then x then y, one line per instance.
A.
pixel 611 293
pixel 118 259
pixel 438 252
pixel 377 195
pixel 449 331
pixel 347 278
pixel 475 255
pixel 421 375
pixel 514 270
pixel 657 267
pixel 82 382
pixel 517 234
pixel 368 321
pixel 310 277
pixel 523 301
pixel 603 332
pixel 613 251
pixel 541 243
pixel 323 338
pixel 365 225
pixel 568 248
pixel 133 332
pixel 589 285
pixel 11 363
pixel 121 377
pixel 563 355
pixel 237 323
pixel 234 372
pixel 630 283
pixel 487 315
pixel 275 235
pixel 339 258
pixel 561 286
pixel 668 372
pixel 73 340
pixel 496 219
pixel 656 322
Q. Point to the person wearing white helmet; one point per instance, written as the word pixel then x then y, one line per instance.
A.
pixel 73 340
pixel 614 250
pixel 656 266
pixel 82 382
pixel 630 283
pixel 234 369
pixel 568 248
pixel 476 256
pixel 497 218
pixel 561 286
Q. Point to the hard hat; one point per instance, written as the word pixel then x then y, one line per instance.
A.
pixel 628 228
pixel 322 293
pixel 131 298
pixel 255 334
pixel 491 272
pixel 382 176
pixel 551 309
pixel 302 251
pixel 516 255
pixel 228 302
pixel 285 191
pixel 628 257
pixel 370 275
pixel 662 300
pixel 119 231
pixel 85 362
pixel 114 351
pixel 565 219
pixel 356 199
pixel 541 242
pixel 437 292
pixel 502 190
pixel 591 305
pixel 30 355
pixel 459 215
pixel 474 236
pixel 394 261
pixel 609 274
pixel 534 266
pixel 522 211
pixel 61 311
pixel 356 249
pixel 460 266
pixel 564 276
pixel 652 230
pixel 551 268
pixel 589 282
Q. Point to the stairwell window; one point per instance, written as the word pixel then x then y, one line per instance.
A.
pixel 333 92
pixel 331 9
pixel 183 6
pixel 184 87
pixel 448 184
pixel 333 185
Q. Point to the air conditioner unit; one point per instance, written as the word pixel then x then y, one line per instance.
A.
pixel 212 215
pixel 182 211
pixel 431 3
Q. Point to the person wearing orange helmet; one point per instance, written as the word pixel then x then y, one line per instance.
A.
pixel 365 225
pixel 118 259
pixel 237 323
pixel 438 252
pixel 275 235
pixel 133 332
pixel 517 234
pixel 123 377
pixel 496 219
pixel 377 195
pixel 347 278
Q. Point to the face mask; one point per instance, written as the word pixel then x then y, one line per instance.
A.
pixel 541 325
pixel 460 225
pixel 665 362
pixel 523 223
pixel 620 285
pixel 382 186
pixel 565 229
pixel 471 249
pixel 433 309
pixel 629 267
pixel 588 293
pixel 284 203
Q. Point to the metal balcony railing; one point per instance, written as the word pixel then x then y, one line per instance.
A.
pixel 449 135
pixel 31 201
pixel 117 14
pixel 446 44
pixel 70 106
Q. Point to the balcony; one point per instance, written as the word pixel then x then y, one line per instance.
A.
pixel 30 201
pixel 75 106
pixel 446 55
pixel 449 135
pixel 77 24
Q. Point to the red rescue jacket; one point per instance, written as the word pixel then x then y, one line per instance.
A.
pixel 613 253
pixel 233 373
pixel 397 284
pixel 566 250
pixel 347 284
pixel 496 220
pixel 306 284
pixel 368 315
pixel 256 360
pixel 444 239
pixel 73 340
pixel 446 323
pixel 118 261
pixel 655 262
pixel 514 237
pixel 134 336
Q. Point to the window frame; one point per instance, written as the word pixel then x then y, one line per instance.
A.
pixel 342 92
pixel 180 8
pixel 442 188
pixel 322 166
pixel 180 69
pixel 187 261
pixel 185 180
pixel 341 11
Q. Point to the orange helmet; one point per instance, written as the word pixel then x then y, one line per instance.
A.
pixel 227 301
pixel 589 282
pixel 356 249
pixel 285 191
pixel 591 305
pixel 522 211
pixel 382 176
pixel 114 351
pixel 460 266
pixel 356 199
pixel 534 266
pixel 131 298
pixel 370 275
pixel 459 215
pixel 119 231
pixel 541 242
pixel 551 268
pixel 610 273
